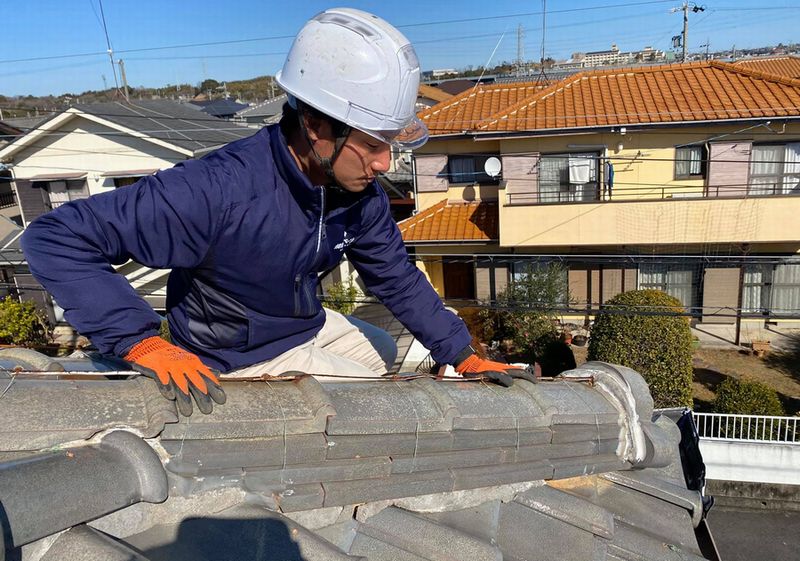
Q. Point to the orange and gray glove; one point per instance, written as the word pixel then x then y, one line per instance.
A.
pixel 179 374
pixel 470 365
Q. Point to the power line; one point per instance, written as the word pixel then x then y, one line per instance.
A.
pixel 281 37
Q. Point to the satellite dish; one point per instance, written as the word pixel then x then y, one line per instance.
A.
pixel 492 167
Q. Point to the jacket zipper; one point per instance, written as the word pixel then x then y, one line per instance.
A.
pixel 302 291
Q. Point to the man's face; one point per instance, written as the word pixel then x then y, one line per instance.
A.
pixel 361 158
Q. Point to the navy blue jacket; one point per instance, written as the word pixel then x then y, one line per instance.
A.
pixel 245 234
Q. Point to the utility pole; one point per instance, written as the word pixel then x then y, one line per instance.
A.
pixel 520 49
pixel 124 79
pixel 685 35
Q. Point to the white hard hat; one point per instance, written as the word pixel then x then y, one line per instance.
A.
pixel 358 69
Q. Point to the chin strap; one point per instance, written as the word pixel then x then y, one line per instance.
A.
pixel 341 131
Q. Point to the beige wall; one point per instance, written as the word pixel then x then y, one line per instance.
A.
pixel 723 221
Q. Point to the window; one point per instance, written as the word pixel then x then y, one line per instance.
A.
pixel 123 181
pixel 568 178
pixel 771 290
pixel 60 192
pixel 775 170
pixel 677 281
pixel 470 169
pixel 690 161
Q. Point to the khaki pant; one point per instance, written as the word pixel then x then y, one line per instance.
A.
pixel 345 346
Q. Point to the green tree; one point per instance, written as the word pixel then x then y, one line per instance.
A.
pixel 22 324
pixel 640 329
pixel 528 309
pixel 342 296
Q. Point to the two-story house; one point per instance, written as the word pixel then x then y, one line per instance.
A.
pixel 678 177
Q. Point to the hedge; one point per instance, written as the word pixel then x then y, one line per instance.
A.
pixel 635 329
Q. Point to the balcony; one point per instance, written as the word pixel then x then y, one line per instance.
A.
pixel 651 215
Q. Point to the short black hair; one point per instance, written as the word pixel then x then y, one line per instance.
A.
pixel 290 119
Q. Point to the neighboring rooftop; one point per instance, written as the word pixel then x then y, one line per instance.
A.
pixel 675 93
pixel 224 107
pixel 266 111
pixel 785 65
pixel 161 120
pixel 452 222
pixel 390 469
pixel 467 109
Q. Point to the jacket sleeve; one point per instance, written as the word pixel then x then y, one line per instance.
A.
pixel 162 221
pixel 381 259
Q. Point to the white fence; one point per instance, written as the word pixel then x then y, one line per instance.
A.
pixel 750 428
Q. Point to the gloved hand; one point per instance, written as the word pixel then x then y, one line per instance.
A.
pixel 503 374
pixel 179 374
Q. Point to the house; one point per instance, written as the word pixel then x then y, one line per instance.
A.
pixel 90 149
pixel 702 202
pixel 579 467
pixel 224 108
pixel 264 113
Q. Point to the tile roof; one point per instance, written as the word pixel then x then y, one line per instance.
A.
pixel 675 93
pixel 456 222
pixel 268 108
pixel 465 110
pixel 413 470
pixel 788 66
pixel 434 93
pixel 169 121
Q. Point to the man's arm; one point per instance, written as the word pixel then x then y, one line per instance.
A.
pixel 381 259
pixel 163 221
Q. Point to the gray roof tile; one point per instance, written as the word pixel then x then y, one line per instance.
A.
pixel 425 538
pixel 468 458
pixel 170 122
pixel 189 457
pixel 255 409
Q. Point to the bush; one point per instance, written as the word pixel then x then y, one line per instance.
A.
pixel 22 324
pixel 657 345
pixel 747 398
pixel 342 297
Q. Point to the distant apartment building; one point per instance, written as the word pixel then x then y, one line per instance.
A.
pixel 612 56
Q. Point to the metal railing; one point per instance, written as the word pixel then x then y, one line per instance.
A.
pixel 751 428
pixel 7 200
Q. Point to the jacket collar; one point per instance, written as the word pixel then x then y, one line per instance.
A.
pixel 305 192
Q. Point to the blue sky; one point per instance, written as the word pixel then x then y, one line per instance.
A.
pixel 35 29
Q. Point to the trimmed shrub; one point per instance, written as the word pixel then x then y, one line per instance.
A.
pixel 747 398
pixel 655 344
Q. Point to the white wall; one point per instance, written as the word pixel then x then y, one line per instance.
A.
pixel 751 461
pixel 83 145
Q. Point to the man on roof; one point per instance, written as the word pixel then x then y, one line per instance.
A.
pixel 247 229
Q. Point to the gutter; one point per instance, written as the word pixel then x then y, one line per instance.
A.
pixel 495 135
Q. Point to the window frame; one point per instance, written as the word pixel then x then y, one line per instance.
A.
pixel 565 193
pixel 780 177
pixel 703 162
pixel 479 177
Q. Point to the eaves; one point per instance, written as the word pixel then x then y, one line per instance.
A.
pixel 499 135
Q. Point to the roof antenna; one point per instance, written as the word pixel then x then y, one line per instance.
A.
pixel 542 77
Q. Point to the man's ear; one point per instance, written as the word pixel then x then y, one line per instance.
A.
pixel 317 127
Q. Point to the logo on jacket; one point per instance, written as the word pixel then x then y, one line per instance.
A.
pixel 345 242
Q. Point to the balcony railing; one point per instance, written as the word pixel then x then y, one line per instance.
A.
pixel 595 193
pixel 7 200
pixel 751 428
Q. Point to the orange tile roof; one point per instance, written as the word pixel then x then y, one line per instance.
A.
pixel 671 93
pixel 452 222
pixel 465 110
pixel 788 66
pixel 433 93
